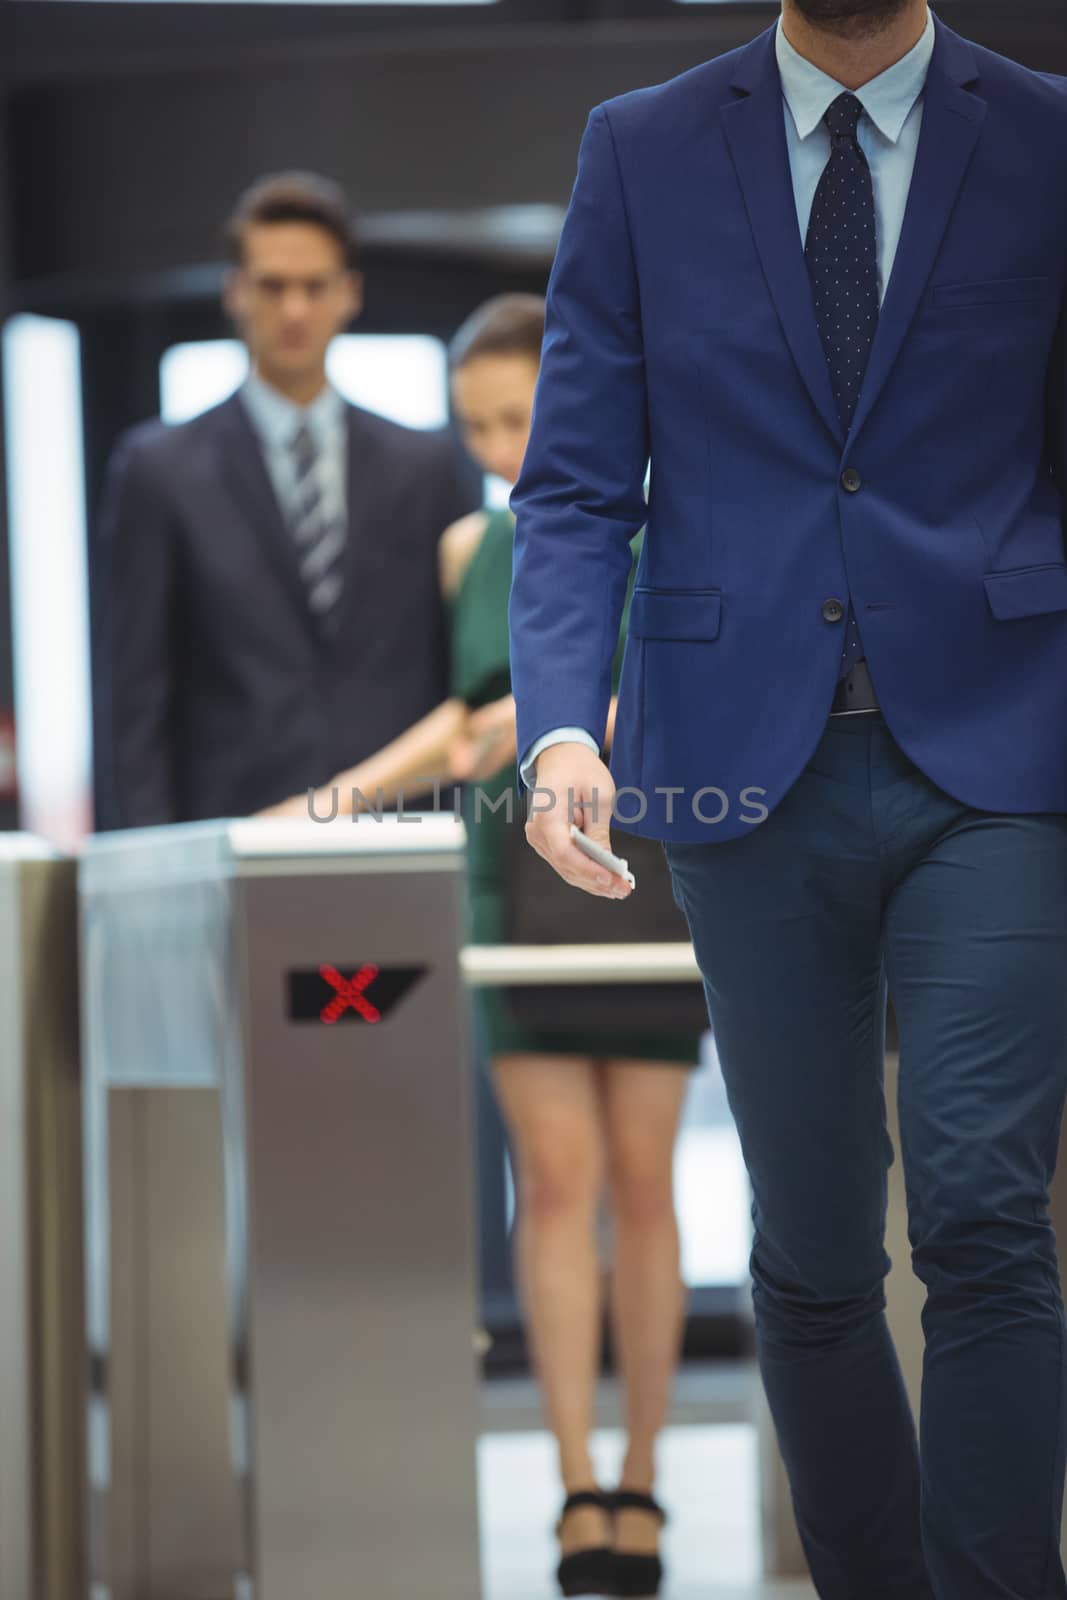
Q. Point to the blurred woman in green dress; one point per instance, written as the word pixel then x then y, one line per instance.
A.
pixel 589 1116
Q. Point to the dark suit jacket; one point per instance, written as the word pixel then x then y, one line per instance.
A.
pixel 214 693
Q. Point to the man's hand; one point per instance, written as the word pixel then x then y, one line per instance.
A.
pixel 582 791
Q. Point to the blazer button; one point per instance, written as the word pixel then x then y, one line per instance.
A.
pixel 833 610
pixel 851 480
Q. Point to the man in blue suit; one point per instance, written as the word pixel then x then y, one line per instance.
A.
pixel 820 284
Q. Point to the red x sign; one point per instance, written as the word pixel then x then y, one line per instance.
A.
pixel 350 993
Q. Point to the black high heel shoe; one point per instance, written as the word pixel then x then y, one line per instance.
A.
pixel 586 1571
pixel 636 1574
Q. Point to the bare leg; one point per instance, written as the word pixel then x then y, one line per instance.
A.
pixel 552 1107
pixel 642 1109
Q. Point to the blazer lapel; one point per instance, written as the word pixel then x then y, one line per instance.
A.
pixel 755 131
pixel 245 474
pixel 952 122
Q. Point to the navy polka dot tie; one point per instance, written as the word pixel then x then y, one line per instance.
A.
pixel 842 256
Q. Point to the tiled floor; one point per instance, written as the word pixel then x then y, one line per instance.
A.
pixel 708 1482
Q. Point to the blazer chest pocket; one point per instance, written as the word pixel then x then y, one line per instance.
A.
pixel 675 613
pixel 993 292
pixel 1027 591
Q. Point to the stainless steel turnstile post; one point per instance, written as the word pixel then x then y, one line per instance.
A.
pixel 281 1302
pixel 41 1368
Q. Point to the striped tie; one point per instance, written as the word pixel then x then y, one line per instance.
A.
pixel 320 538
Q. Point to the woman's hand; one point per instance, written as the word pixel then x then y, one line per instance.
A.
pixel 488 742
pixel 317 805
pixel 297 809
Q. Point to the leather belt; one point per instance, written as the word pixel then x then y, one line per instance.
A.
pixel 855 692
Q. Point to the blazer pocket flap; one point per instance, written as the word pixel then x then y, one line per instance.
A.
pixel 995 291
pixel 1027 591
pixel 675 613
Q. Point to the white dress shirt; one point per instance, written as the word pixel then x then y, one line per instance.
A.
pixel 889 137
pixel 277 421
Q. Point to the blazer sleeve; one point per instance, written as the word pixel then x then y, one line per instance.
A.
pixel 1056 393
pixel 135 638
pixel 1056 413
pixel 579 500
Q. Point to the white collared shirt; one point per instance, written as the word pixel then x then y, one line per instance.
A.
pixel 888 135
pixel 277 421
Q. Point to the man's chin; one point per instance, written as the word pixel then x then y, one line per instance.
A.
pixel 298 359
pixel 292 365
pixel 851 19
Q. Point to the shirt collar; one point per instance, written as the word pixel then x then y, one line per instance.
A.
pixel 277 419
pixel 887 99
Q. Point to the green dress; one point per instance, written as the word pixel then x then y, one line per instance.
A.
pixel 481 674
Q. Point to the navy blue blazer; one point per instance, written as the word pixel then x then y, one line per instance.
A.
pixel 681 328
pixel 214 693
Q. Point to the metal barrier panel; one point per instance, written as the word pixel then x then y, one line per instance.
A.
pixel 280 1209
pixel 42 1386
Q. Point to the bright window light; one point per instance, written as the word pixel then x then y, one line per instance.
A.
pixel 497 493
pixel 195 377
pixel 49 584
pixel 401 376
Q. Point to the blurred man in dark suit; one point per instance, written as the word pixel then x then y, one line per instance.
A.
pixel 266 604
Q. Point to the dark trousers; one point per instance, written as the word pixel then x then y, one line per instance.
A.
pixel 865 872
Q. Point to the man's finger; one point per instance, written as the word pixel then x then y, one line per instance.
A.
pixel 573 866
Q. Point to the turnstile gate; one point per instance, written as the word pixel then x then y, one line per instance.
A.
pixel 41 1366
pixel 281 1302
